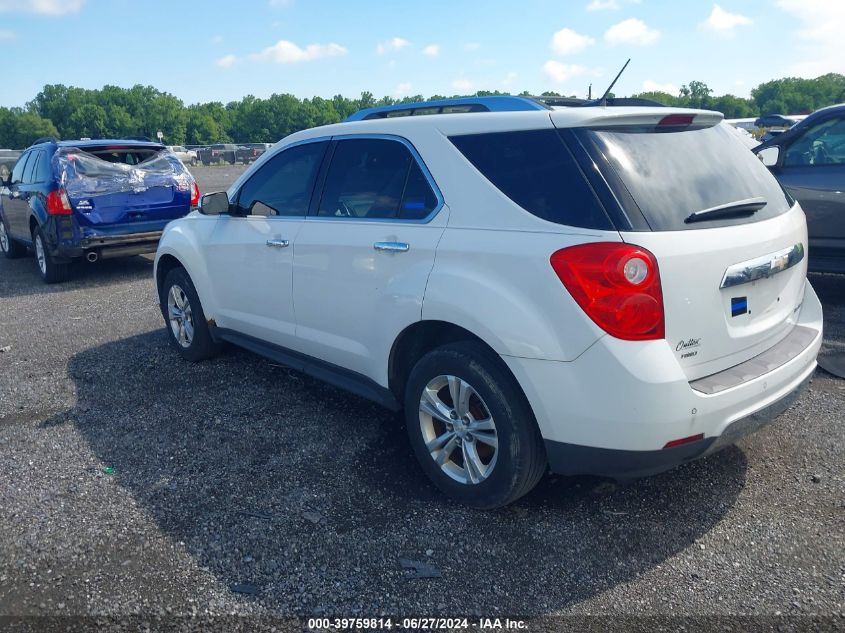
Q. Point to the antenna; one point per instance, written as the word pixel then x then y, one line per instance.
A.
pixel 603 100
pixel 590 92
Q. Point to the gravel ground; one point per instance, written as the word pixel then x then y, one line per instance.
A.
pixel 132 482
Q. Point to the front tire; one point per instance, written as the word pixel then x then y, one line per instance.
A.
pixel 51 271
pixel 471 427
pixel 8 246
pixel 184 318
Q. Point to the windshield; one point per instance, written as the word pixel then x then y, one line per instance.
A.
pixel 671 175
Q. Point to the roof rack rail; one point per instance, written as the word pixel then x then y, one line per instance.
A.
pixel 499 103
pixel 45 139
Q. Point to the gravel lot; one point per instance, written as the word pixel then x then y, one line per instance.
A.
pixel 132 482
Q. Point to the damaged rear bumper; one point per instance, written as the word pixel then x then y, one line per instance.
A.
pixel 108 246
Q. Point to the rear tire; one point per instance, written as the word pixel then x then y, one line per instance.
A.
pixel 51 271
pixel 484 451
pixel 10 248
pixel 184 318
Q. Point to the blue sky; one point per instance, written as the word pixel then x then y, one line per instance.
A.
pixel 203 50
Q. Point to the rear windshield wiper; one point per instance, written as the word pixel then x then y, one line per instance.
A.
pixel 740 207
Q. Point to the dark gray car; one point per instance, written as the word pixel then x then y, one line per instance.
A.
pixel 809 161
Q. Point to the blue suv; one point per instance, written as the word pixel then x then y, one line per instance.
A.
pixel 91 199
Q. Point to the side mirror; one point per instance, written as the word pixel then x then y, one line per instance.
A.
pixel 214 203
pixel 769 156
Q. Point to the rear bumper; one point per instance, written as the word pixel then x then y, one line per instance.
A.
pixel 572 459
pixel 113 245
pixel 612 410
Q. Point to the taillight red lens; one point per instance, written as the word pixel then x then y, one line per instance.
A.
pixel 58 203
pixel 617 285
pixel 195 195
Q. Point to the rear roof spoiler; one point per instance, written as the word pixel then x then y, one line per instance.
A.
pixel 669 120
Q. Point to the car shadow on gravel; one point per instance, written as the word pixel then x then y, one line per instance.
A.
pixel 311 497
pixel 20 277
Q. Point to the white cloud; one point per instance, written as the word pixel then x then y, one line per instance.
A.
pixel 653 86
pixel 403 89
pixel 7 35
pixel 567 41
pixel 281 3
pixel 462 85
pixel 509 79
pixel 432 50
pixel 631 31
pixel 392 45
pixel 723 21
pixel 558 72
pixel 227 61
pixel 821 44
pixel 608 5
pixel 42 7
pixel 472 46
pixel 285 52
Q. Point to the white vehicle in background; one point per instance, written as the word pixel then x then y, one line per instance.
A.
pixel 601 290
pixel 187 156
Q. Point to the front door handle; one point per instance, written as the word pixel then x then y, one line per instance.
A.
pixel 278 243
pixel 396 247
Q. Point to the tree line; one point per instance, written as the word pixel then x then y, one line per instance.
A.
pixel 113 112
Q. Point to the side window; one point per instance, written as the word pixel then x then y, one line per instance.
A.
pixel 30 174
pixel 376 178
pixel 366 179
pixel 18 171
pixel 822 144
pixel 418 200
pixel 284 184
pixel 44 171
pixel 535 169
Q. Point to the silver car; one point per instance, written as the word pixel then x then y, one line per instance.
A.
pixel 187 156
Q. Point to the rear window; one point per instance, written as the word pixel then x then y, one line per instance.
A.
pixel 536 170
pixel 123 156
pixel 670 175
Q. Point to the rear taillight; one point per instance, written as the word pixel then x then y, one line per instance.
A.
pixel 617 285
pixel 195 194
pixel 58 203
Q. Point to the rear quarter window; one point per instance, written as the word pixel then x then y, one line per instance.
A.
pixel 536 170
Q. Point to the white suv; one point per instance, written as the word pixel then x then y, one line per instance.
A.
pixel 597 290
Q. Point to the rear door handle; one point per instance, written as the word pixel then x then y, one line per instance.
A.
pixel 396 247
pixel 278 243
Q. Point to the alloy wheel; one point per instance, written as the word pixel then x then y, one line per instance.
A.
pixel 180 316
pixel 4 238
pixel 458 429
pixel 40 254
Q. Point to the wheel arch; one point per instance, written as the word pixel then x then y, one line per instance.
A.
pixel 419 338
pixel 164 265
